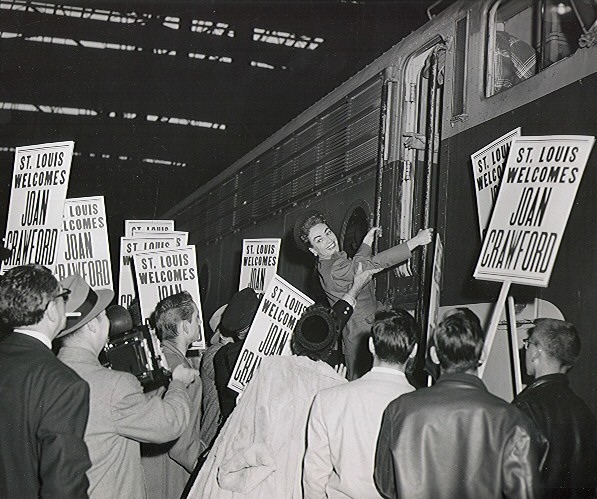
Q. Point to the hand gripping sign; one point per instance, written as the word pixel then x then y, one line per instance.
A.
pixel 279 310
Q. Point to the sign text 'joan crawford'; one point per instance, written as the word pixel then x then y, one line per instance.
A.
pixel 535 199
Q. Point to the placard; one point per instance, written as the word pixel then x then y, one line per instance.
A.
pixel 182 238
pixel 128 247
pixel 488 168
pixel 537 193
pixel 279 310
pixel 259 263
pixel 83 246
pixel 39 184
pixel 436 280
pixel 162 273
pixel 131 226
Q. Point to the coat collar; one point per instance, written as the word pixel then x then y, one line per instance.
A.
pixel 78 354
pixel 464 378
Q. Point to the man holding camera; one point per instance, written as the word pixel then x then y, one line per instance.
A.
pixel 120 415
pixel 168 466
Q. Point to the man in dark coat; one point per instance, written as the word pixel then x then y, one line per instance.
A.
pixel 44 405
pixel 570 470
pixel 455 439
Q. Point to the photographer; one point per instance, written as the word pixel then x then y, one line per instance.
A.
pixel 120 415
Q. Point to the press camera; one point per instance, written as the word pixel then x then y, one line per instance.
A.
pixel 134 349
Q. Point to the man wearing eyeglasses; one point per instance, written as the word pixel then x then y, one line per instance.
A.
pixel 44 404
pixel 552 348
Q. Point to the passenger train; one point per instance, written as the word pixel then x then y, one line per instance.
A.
pixel 392 146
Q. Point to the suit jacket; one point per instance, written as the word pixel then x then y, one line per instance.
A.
pixel 210 405
pixel 571 429
pixel 44 407
pixel 455 439
pixel 168 466
pixel 224 362
pixel 342 434
pixel 121 416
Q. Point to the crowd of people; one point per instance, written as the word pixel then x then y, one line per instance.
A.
pixel 73 428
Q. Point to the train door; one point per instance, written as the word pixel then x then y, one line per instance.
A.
pixel 409 180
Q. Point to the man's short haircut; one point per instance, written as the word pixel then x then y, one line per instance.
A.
pixel 171 311
pixel 395 333
pixel 459 341
pixel 559 339
pixel 24 295
pixel 308 224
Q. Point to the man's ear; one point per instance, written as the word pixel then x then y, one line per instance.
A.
pixel 433 355
pixel 52 311
pixel 414 352
pixel 183 327
pixel 371 346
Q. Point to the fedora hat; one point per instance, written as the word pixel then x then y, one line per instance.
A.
pixel 214 324
pixel 83 303
pixel 239 313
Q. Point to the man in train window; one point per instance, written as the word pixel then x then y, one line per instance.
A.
pixel 336 274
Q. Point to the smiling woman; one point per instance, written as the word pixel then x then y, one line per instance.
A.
pixel 336 273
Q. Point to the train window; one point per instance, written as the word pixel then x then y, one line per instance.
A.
pixel 459 68
pixel 354 229
pixel 527 36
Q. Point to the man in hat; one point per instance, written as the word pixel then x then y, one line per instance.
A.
pixel 260 449
pixel 44 404
pixel 336 272
pixel 455 439
pixel 120 415
pixel 345 420
pixel 551 350
pixel 168 466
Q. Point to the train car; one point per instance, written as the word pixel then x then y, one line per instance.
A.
pixel 392 146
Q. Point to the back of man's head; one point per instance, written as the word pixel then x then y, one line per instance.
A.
pixel 459 341
pixel 395 333
pixel 24 295
pixel 171 311
pixel 559 340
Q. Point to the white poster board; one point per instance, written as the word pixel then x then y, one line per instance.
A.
pixel 269 334
pixel 259 263
pixel 130 226
pixel 436 280
pixel 163 273
pixel 537 193
pixel 128 247
pixel 83 246
pixel 39 184
pixel 488 168
pixel 182 238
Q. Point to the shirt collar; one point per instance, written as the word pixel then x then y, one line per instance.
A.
pixel 387 370
pixel 37 335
